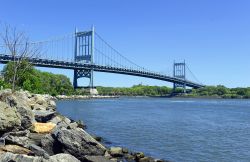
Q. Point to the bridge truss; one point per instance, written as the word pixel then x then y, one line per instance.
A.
pixel 86 52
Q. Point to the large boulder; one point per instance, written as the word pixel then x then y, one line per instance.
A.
pixel 43 115
pixel 45 101
pixel 17 138
pixel 15 149
pixel 10 157
pixel 52 103
pixel 16 99
pixel 116 151
pixel 146 159
pixel 139 155
pixel 77 143
pixel 35 106
pixel 23 99
pixel 7 97
pixel 16 109
pixel 9 118
pixel 50 145
pixel 62 121
pixel 40 99
pixel 35 138
pixel 43 127
pixel 37 150
pixel 26 116
pixel 56 119
pixel 63 158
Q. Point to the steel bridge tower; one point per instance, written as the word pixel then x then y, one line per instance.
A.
pixel 84 53
pixel 180 72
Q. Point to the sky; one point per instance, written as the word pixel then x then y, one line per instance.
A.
pixel 212 36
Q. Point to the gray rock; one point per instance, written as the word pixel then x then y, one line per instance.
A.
pixel 107 155
pixel 125 150
pixel 73 125
pixel 81 124
pixel 56 119
pixel 17 99
pixel 43 116
pixel 97 159
pixel 9 118
pixel 40 99
pixel 78 143
pixel 66 120
pixel 139 155
pixel 10 157
pixel 129 158
pixel 42 102
pixel 26 116
pixel 23 99
pixel 114 160
pixel 160 160
pixel 97 138
pixel 52 103
pixel 38 107
pixel 146 159
pixel 63 158
pixel 38 151
pixel 116 151
pixel 7 97
pixel 2 142
pixel 15 149
pixel 35 138
pixel 49 144
pixel 17 138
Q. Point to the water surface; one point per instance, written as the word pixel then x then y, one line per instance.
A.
pixel 173 129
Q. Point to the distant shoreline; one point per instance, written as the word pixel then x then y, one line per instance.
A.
pixel 198 97
pixel 86 97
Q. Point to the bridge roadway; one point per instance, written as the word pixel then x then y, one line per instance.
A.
pixel 100 68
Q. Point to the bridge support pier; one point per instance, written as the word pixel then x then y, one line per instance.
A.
pixel 84 54
pixel 83 73
pixel 176 85
pixel 180 72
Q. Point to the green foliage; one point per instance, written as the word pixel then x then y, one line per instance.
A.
pixel 21 73
pixel 36 81
pixel 81 92
pixel 221 92
pixel 4 85
pixel 136 90
pixel 208 91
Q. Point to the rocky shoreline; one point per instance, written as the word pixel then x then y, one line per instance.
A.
pixel 32 131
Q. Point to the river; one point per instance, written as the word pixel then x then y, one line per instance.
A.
pixel 173 129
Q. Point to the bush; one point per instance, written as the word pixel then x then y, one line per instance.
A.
pixel 36 81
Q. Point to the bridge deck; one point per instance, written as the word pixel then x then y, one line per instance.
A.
pixel 100 68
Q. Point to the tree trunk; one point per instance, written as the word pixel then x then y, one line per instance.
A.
pixel 14 78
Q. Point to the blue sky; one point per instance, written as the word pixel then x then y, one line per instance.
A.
pixel 213 36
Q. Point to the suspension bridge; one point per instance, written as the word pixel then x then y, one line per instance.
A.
pixel 87 52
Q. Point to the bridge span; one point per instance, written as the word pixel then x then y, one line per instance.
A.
pixel 89 52
pixel 99 68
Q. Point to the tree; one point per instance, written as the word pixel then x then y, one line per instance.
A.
pixel 36 81
pixel 18 46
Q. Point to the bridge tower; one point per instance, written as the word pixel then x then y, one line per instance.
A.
pixel 180 72
pixel 84 53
